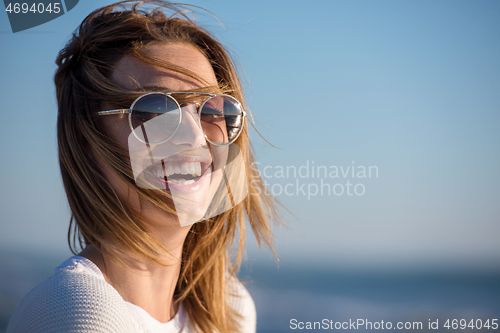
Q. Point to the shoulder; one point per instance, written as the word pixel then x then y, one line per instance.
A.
pixel 71 300
pixel 241 301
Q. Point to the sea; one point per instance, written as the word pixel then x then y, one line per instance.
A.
pixel 313 297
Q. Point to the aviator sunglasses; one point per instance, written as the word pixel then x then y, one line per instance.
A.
pixel 155 117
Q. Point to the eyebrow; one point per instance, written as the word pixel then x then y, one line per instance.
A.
pixel 167 90
pixel 156 88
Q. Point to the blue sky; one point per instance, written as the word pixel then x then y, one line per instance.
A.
pixel 411 87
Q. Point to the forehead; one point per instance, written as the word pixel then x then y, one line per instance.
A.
pixel 131 73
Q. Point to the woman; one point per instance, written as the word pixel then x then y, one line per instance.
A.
pixel 155 159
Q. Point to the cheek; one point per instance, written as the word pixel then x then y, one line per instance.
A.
pixel 117 127
pixel 121 188
pixel 219 156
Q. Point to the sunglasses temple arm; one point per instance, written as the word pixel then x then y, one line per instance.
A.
pixel 118 111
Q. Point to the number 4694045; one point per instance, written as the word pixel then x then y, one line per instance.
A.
pixel 473 324
pixel 24 8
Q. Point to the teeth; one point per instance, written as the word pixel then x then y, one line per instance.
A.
pixel 170 170
pixel 181 182
pixel 193 168
pixel 184 169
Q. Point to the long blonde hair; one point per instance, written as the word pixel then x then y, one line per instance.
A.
pixel 99 217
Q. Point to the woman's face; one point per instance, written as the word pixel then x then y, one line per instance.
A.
pixel 186 165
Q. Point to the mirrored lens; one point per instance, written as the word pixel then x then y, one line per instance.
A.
pixel 155 118
pixel 221 119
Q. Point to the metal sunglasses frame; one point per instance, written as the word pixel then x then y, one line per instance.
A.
pixel 129 112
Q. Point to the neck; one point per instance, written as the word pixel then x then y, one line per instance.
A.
pixel 142 282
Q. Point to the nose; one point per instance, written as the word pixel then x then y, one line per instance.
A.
pixel 189 132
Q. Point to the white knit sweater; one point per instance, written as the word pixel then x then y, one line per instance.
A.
pixel 78 299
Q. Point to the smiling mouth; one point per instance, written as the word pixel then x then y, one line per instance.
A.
pixel 180 173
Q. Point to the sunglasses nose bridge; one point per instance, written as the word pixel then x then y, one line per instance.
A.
pixel 196 105
pixel 191 108
pixel 189 130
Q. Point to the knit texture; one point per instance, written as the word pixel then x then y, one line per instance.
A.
pixel 76 300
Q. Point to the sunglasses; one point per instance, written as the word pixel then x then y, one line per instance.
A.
pixel 155 117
